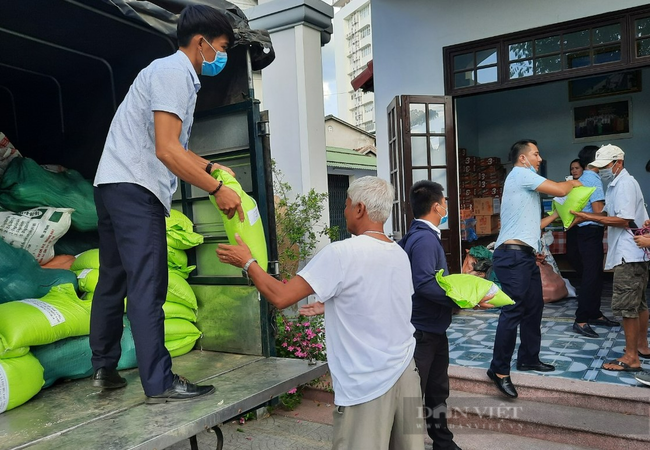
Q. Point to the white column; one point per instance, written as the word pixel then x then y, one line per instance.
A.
pixel 293 88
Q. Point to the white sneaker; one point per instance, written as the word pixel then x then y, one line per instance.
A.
pixel 643 377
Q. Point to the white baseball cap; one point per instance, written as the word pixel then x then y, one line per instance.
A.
pixel 606 154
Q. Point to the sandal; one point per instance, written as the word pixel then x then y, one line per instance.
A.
pixel 624 366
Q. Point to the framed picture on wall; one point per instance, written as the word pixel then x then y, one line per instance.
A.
pixel 598 121
pixel 603 85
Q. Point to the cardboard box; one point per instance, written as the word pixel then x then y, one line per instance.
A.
pixel 469 160
pixel 490 161
pixel 468 168
pixel 487 206
pixel 487 224
pixel 466 214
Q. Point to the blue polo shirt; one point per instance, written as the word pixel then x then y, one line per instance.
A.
pixel 590 178
pixel 168 84
pixel 521 209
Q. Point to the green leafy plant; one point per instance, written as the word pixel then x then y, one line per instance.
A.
pixel 298 225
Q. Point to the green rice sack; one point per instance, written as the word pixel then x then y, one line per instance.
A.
pixel 251 229
pixel 180 231
pixel 70 359
pixel 177 262
pixel 20 379
pixel 177 311
pixel 87 279
pixel 58 315
pixel 180 291
pixel 180 336
pixel 467 290
pixel 86 260
pixel 576 200
pixel 22 277
pixel 180 347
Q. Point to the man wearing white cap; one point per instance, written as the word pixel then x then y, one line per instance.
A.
pixel 624 209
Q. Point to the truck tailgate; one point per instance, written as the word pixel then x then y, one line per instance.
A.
pixel 74 415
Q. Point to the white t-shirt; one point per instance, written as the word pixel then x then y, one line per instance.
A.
pixel 366 286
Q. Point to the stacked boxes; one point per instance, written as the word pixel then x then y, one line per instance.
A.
pixel 481 185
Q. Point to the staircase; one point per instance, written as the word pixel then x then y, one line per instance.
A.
pixel 551 413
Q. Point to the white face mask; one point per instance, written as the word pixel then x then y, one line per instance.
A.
pixel 607 175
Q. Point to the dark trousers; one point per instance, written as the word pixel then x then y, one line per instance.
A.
pixel 133 262
pixel 432 360
pixel 585 254
pixel 520 279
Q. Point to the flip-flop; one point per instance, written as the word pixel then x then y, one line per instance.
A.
pixel 625 367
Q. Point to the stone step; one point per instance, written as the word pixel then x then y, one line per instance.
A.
pixel 473 413
pixel 631 400
pixel 472 440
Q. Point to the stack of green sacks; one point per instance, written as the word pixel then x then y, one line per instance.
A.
pixel 180 237
pixel 31 322
pixel 180 305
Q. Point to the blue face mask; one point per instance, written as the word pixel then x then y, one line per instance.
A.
pixel 530 166
pixel 443 219
pixel 210 69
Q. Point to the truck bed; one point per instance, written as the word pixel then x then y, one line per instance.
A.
pixel 74 415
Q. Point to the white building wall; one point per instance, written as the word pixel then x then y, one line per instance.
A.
pixel 342 136
pixel 353 49
pixel 411 36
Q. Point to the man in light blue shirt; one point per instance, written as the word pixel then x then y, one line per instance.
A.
pixel 585 252
pixel 145 150
pixel 624 211
pixel 514 263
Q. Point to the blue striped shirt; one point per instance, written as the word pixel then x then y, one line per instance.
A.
pixel 168 84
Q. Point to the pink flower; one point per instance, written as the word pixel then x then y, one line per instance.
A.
pixel 290 348
pixel 284 344
pixel 293 391
pixel 306 324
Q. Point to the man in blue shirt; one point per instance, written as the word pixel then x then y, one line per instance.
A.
pixel 585 252
pixel 145 150
pixel 432 309
pixel 514 263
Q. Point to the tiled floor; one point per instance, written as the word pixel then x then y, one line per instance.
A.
pixel 471 340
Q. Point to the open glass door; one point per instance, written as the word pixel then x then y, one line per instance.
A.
pixel 422 146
